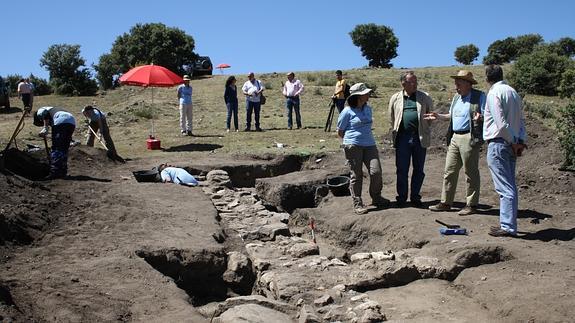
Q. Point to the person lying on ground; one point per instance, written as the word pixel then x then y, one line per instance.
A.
pixel 97 122
pixel 171 174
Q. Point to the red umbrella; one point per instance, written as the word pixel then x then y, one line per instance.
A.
pixel 153 76
pixel 222 66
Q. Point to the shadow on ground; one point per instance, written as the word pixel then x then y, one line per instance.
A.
pixel 193 147
pixel 547 235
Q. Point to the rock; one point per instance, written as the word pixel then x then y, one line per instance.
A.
pixel 323 301
pixel 219 178
pixel 360 297
pixel 307 315
pixel 252 313
pixel 239 269
pixel 366 305
pixel 260 301
pixel 275 229
pixel 360 256
pixel 300 250
pixel 380 255
pixel 372 315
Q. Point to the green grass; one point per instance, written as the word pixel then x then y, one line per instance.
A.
pixel 130 109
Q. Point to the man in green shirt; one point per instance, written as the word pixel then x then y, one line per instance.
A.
pixel 411 136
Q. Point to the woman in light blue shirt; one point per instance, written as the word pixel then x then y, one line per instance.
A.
pixel 354 127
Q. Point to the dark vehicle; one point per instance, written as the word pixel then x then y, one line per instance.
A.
pixel 4 94
pixel 202 66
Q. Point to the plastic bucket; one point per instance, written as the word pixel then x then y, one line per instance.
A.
pixel 339 185
pixel 146 175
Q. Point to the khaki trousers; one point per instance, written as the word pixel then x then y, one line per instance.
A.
pixel 357 156
pixel 460 153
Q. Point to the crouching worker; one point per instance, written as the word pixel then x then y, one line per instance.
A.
pixel 97 121
pixel 171 174
pixel 63 125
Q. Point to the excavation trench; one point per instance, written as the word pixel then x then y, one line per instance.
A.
pixel 279 260
pixel 27 165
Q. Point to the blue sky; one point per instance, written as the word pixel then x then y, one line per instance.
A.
pixel 278 36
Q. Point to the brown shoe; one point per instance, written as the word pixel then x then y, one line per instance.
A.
pixel 499 233
pixel 467 210
pixel 440 207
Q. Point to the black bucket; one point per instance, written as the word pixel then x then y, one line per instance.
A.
pixel 147 176
pixel 339 185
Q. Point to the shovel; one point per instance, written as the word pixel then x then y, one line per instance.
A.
pixel 19 128
pixel 449 226
pixel 47 149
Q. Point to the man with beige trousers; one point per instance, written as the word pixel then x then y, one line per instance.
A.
pixel 464 140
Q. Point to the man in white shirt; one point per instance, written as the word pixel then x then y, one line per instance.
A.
pixel 291 90
pixel 253 89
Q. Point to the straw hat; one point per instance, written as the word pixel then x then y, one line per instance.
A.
pixel 465 75
pixel 187 78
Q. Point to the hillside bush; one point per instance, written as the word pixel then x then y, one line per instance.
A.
pixel 466 54
pixel 539 72
pixel 377 43
pixel 566 127
pixel 567 84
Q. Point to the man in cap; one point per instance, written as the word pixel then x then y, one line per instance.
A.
pixel 63 125
pixel 464 140
pixel 504 131
pixel 411 136
pixel 291 90
pixel 185 99
pixel 97 122
pixel 253 89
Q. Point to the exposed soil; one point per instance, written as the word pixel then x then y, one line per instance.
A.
pixel 101 247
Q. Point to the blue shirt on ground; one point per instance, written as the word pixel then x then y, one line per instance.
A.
pixel 178 175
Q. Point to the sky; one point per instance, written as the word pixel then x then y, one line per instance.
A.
pixel 278 36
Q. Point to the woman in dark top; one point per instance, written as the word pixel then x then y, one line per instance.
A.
pixel 231 98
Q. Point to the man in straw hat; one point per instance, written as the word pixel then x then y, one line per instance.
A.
pixel 411 136
pixel 185 99
pixel 464 139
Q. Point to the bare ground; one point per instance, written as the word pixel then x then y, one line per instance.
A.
pixel 102 247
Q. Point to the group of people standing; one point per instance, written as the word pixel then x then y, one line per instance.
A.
pixel 496 118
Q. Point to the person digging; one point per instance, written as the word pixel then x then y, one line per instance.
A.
pixel 97 122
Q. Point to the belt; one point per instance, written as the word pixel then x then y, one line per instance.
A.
pixel 498 139
pixel 463 132
pixel 293 97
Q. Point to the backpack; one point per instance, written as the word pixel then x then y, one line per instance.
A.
pixel 346 91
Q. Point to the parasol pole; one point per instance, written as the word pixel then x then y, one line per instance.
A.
pixel 153 134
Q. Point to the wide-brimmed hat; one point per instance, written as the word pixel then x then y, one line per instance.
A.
pixel 465 75
pixel 358 89
pixel 187 78
pixel 290 73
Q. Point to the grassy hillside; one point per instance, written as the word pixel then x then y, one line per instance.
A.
pixel 129 107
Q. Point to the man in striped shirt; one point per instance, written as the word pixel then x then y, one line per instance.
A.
pixel 504 131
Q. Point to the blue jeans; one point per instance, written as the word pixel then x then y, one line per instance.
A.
pixel 292 104
pixel 232 110
pixel 409 149
pixel 255 107
pixel 61 139
pixel 501 162
pixel 340 104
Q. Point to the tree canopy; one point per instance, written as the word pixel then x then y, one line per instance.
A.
pixel 377 43
pixel 466 54
pixel 151 43
pixel 68 76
